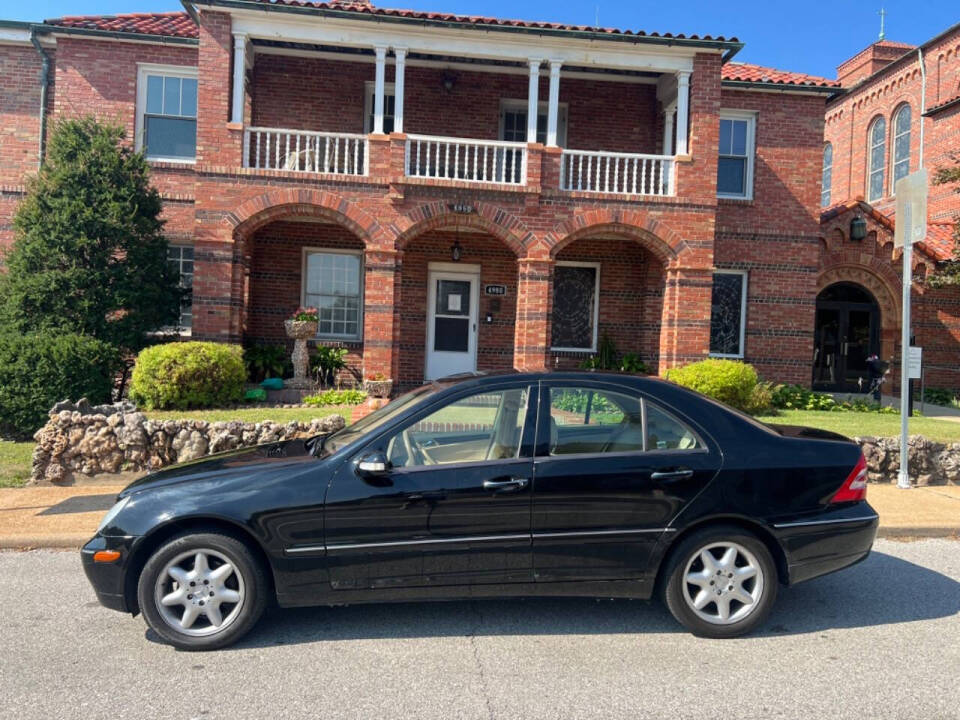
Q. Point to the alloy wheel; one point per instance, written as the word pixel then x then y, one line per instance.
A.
pixel 723 583
pixel 199 592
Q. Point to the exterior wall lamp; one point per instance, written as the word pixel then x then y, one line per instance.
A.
pixel 456 251
pixel 858 228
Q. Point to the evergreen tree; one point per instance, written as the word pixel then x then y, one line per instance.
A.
pixel 949 272
pixel 89 255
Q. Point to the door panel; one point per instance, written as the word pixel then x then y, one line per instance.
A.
pixel 598 515
pixel 444 522
pixel 451 324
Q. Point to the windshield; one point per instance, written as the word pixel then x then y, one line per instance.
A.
pixel 346 435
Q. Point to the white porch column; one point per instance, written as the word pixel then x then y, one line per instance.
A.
pixel 683 111
pixel 533 105
pixel 553 108
pixel 239 76
pixel 381 52
pixel 668 128
pixel 401 59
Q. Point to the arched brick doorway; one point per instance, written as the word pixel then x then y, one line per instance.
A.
pixel 847 331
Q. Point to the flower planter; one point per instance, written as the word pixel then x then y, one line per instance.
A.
pixel 378 388
pixel 300 331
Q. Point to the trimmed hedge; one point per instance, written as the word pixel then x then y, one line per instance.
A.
pixel 40 369
pixel 728 381
pixel 184 375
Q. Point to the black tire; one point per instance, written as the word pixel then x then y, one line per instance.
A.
pixel 688 553
pixel 250 579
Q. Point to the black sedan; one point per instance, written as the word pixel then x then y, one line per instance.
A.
pixel 579 484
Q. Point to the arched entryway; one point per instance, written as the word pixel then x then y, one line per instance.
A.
pixel 847 332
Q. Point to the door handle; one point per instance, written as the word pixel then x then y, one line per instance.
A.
pixel 679 474
pixel 507 485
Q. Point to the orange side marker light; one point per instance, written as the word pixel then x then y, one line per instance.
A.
pixel 106 556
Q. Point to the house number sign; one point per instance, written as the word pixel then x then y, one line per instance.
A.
pixel 495 290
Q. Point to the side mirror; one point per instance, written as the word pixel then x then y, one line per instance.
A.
pixel 373 465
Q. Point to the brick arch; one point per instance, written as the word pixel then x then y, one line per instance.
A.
pixel 284 204
pixel 874 276
pixel 649 232
pixel 490 218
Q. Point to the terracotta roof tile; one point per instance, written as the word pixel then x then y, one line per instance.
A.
pixel 943 105
pixel 170 24
pixel 745 72
pixel 938 244
pixel 939 241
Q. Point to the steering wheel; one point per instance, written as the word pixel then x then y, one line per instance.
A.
pixel 414 451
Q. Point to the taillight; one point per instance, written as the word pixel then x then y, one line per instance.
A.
pixel 854 488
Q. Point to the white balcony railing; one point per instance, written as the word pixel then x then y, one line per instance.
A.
pixel 481 161
pixel 304 151
pixel 623 173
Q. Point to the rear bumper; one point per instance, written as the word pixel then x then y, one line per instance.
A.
pixel 830 541
pixel 109 579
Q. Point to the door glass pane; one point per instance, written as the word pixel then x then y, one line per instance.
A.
pixel 858 345
pixel 453 297
pixel 451 334
pixel 480 427
pixel 584 420
pixel 827 346
pixel 665 432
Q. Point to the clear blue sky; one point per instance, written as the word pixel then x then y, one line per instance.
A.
pixel 811 36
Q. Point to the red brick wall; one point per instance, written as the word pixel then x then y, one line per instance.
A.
pixel 19 108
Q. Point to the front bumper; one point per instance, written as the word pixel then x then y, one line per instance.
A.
pixel 109 580
pixel 830 541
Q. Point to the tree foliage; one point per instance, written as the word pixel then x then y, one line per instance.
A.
pixel 948 273
pixel 89 255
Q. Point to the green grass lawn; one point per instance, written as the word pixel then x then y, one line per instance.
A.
pixel 281 415
pixel 15 458
pixel 867 424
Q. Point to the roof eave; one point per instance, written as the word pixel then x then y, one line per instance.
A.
pixel 114 34
pixel 940 108
pixel 780 87
pixel 728 45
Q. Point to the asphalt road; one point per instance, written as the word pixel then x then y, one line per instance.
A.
pixel 880 640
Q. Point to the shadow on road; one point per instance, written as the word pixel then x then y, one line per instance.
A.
pixel 882 590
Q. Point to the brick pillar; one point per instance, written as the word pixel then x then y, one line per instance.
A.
pixel 697 172
pixel 685 323
pixel 550 168
pixel 380 298
pixel 217 144
pixel 531 345
pixel 219 286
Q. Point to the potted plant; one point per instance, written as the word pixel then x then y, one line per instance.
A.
pixel 378 385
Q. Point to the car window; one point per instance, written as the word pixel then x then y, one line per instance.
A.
pixel 587 420
pixel 484 426
pixel 665 432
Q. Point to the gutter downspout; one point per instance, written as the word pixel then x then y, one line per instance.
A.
pixel 44 85
pixel 191 11
pixel 923 98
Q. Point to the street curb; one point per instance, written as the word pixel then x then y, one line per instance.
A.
pixel 899 533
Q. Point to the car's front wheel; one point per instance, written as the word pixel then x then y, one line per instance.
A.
pixel 202 591
pixel 721 582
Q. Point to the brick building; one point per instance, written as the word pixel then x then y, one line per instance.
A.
pixel 453 192
pixel 872 138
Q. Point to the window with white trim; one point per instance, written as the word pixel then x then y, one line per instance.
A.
pixel 513 122
pixel 333 283
pixel 369 103
pixel 877 157
pixel 735 164
pixel 728 313
pixel 167 112
pixel 827 177
pixel 901 146
pixel 181 257
pixel 576 304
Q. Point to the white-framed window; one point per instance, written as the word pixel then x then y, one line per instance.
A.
pixel 369 100
pixel 827 177
pixel 728 313
pixel 181 257
pixel 333 283
pixel 735 164
pixel 876 157
pixel 513 121
pixel 166 124
pixel 901 145
pixel 576 306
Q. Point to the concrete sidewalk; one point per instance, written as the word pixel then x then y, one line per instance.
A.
pixel 66 517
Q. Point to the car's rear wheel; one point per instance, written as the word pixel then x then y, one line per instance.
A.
pixel 201 591
pixel 721 582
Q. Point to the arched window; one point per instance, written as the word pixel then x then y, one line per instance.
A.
pixel 901 144
pixel 827 176
pixel 877 154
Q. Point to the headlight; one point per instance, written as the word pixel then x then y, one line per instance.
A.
pixel 113 512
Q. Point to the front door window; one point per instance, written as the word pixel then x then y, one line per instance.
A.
pixel 451 324
pixel 846 334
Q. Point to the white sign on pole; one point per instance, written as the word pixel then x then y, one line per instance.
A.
pixel 911 224
pixel 915 362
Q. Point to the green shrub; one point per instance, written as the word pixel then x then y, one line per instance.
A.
pixel 184 375
pixel 940 396
pixel 797 397
pixel 265 361
pixel 327 361
pixel 632 363
pixel 728 381
pixel 40 369
pixel 761 399
pixel 335 397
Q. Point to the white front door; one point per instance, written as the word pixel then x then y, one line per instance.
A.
pixel 451 323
